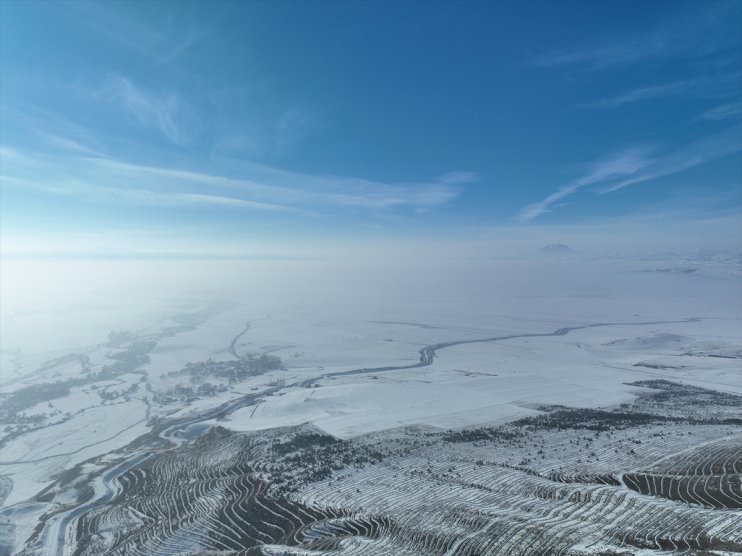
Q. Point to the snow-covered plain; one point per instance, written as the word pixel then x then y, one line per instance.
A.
pixel 323 321
pixel 484 383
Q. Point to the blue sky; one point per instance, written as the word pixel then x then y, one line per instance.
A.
pixel 287 128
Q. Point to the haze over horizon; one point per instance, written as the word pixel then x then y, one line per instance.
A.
pixel 369 130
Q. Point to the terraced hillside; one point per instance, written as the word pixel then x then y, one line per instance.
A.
pixel 570 481
pixel 208 497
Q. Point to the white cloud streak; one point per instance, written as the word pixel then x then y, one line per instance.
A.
pixel 635 166
pixel 151 198
pixel 65 144
pixel 624 163
pixel 641 93
pixel 82 189
pixel 161 44
pixel 167 113
pixel 719 86
pixel 723 112
pixel 109 180
pixel 709 148
pixel 702 29
pixel 605 56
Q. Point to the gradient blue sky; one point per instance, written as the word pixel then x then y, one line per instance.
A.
pixel 285 128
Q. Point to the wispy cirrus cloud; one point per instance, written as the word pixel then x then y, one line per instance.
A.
pixel 165 112
pixel 624 163
pixel 65 144
pixel 641 93
pixel 269 135
pixel 160 44
pixel 294 188
pixel 700 30
pixel 708 148
pixel 104 179
pixel 85 190
pixel 723 112
pixel 718 86
pixel 638 165
pixel 604 56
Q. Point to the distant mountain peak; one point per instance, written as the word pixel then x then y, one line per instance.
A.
pixel 556 249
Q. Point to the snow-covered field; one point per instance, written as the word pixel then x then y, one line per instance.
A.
pixel 474 384
pixel 110 390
